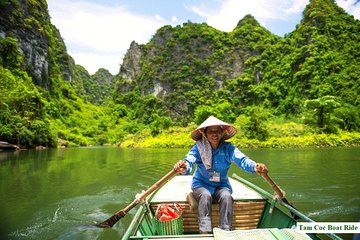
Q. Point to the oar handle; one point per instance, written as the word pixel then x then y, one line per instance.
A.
pixel 158 184
pixel 273 185
pixel 280 193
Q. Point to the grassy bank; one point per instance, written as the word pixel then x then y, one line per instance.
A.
pixel 280 136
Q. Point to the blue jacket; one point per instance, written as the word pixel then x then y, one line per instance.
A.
pixel 221 161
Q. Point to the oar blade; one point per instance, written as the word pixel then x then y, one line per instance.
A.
pixel 293 215
pixel 108 223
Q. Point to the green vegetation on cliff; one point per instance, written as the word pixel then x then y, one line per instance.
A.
pixel 297 90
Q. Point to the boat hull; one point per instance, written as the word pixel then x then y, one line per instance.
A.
pixel 255 211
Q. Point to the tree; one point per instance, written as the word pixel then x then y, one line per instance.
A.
pixel 320 112
pixel 256 127
pixel 349 117
pixel 159 123
pixel 202 112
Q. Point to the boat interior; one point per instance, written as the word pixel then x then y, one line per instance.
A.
pixel 255 215
pixel 248 205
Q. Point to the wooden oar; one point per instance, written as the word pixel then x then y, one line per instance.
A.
pixel 279 192
pixel 117 216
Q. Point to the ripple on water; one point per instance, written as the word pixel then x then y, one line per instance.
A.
pixel 75 218
pixel 331 211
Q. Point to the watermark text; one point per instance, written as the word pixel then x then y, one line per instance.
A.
pixel 328 227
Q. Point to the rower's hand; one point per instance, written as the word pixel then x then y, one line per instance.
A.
pixel 180 166
pixel 260 168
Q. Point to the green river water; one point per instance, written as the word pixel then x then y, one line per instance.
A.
pixel 59 193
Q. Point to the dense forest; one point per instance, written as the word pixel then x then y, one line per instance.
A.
pixel 293 91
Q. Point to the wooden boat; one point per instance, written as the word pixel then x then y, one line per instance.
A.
pixel 257 215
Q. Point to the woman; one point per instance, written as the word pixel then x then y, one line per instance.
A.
pixel 213 156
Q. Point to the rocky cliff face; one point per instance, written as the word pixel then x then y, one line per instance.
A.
pixel 40 43
pixel 43 52
pixel 177 55
pixel 17 21
pixel 183 66
pixel 130 67
pixel 186 65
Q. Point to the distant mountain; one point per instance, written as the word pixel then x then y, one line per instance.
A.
pixel 185 65
pixel 196 65
pixel 319 58
pixel 99 87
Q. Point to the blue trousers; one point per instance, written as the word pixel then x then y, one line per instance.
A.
pixel 205 199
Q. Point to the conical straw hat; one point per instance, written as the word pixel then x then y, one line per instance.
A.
pixel 229 130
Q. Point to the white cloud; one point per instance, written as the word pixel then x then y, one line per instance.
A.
pixel 174 19
pixel 94 61
pixel 297 6
pixel 158 17
pixel 350 6
pixel 199 11
pixel 265 11
pixel 104 33
pixel 231 11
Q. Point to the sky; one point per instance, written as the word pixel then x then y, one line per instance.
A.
pixel 98 33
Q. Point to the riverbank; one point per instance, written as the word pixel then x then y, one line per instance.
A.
pixel 5 146
pixel 285 135
pixel 180 138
